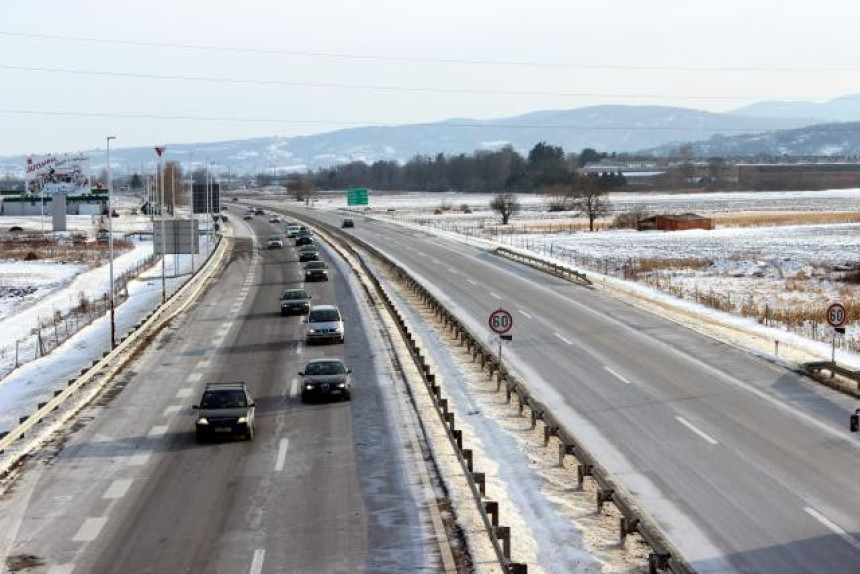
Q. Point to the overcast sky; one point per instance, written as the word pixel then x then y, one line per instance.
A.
pixel 288 68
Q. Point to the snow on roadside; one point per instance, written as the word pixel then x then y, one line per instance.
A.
pixel 35 381
pixel 24 283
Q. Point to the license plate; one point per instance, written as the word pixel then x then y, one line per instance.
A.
pixel 223 430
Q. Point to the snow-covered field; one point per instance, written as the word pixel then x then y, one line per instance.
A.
pixel 779 276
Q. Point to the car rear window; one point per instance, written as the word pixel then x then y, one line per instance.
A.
pixel 325 368
pixel 294 295
pixel 223 400
pixel 315 265
pixel 324 315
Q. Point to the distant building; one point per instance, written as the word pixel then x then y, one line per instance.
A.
pixel 800 176
pixel 674 222
pixel 639 175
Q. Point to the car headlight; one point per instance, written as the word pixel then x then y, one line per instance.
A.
pixel 314 330
pixel 309 387
pixel 341 385
pixel 242 420
pixel 203 421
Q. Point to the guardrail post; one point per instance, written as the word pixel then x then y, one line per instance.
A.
pixel 626 526
pixel 517 568
pixel 536 414
pixel 467 456
pixel 603 496
pixel 481 480
pixel 443 404
pixel 563 450
pixel 549 431
pixel 491 507
pixel 657 562
pixel 458 438
pixel 582 470
pixel 503 533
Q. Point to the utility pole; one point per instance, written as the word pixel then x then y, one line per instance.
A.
pixel 110 244
pixel 191 217
pixel 160 151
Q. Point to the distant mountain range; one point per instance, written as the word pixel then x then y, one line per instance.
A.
pixel 749 130
pixel 840 139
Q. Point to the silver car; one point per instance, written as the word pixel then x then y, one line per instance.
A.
pixel 324 324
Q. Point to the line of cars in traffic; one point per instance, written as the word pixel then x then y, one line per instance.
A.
pixel 228 409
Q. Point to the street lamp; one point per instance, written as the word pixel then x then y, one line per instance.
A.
pixel 110 244
pixel 160 151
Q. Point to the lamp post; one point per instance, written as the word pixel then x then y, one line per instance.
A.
pixel 110 244
pixel 160 151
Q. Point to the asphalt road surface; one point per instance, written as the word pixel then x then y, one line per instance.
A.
pixel 747 466
pixel 324 487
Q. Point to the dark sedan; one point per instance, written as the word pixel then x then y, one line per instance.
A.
pixel 295 302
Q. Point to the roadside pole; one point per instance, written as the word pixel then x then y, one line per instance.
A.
pixel 160 151
pixel 110 244
pixel 191 216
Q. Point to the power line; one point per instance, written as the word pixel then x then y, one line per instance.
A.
pixel 377 87
pixel 416 59
pixel 472 125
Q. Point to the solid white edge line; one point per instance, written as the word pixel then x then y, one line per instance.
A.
pixel 568 341
pixel 833 527
pixel 702 434
pixel 90 529
pixel 617 376
pixel 282 454
pixel 257 561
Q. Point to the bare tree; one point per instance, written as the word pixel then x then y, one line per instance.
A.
pixel 175 190
pixel 505 204
pixel 589 198
pixel 302 188
pixel 559 197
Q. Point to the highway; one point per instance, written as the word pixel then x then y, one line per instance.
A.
pixel 328 487
pixel 746 466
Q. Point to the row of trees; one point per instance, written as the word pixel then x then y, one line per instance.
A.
pixel 503 170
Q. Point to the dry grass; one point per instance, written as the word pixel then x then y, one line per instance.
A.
pixel 653 264
pixel 778 219
pixel 34 250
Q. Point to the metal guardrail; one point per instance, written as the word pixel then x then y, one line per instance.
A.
pixel 500 536
pixel 834 369
pixel 538 263
pixel 51 415
pixel 664 556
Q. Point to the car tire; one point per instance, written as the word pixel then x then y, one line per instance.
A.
pixel 200 437
pixel 304 397
pixel 347 395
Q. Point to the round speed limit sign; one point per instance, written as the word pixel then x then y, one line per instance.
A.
pixel 836 315
pixel 501 321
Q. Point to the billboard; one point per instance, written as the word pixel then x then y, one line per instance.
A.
pixel 58 173
pixel 198 198
pixel 181 234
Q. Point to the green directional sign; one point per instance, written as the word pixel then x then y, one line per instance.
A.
pixel 356 196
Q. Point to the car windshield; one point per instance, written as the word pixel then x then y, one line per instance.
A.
pixel 307 249
pixel 274 238
pixel 294 295
pixel 315 265
pixel 324 315
pixel 325 368
pixel 232 399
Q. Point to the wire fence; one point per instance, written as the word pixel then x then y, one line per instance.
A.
pixel 53 330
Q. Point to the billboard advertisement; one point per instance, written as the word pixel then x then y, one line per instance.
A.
pixel 58 173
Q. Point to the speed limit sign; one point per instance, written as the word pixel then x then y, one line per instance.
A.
pixel 501 321
pixel 836 315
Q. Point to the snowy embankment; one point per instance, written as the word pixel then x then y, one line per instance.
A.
pixel 35 381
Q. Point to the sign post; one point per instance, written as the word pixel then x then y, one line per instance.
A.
pixel 501 322
pixel 836 318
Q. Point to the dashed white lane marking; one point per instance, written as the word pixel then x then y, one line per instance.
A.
pixel 524 314
pixel 90 529
pixel 117 489
pixel 138 459
pixel 282 454
pixel 470 282
pixel 62 569
pixel 257 562
pixel 494 295
pixel 171 410
pixel 299 348
pixel 568 341
pixel 702 434
pixel 218 341
pixel 156 431
pixel 452 270
pixel 194 377
pixel 183 393
pixel 294 388
pixel 224 329
pixel 617 376
pixel 833 527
